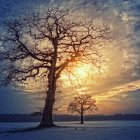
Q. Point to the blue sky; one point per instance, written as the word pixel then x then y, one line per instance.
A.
pixel 121 88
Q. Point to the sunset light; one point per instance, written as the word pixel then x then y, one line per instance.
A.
pixel 63 61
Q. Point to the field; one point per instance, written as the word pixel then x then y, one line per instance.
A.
pixel 97 130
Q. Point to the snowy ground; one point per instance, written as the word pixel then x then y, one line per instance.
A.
pixel 98 130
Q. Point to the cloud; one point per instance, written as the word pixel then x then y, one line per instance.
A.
pixel 120 81
pixel 121 92
pixel 127 103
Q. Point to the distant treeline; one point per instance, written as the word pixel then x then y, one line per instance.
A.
pixel 36 117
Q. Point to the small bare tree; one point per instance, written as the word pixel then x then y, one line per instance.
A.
pixel 81 104
pixel 44 45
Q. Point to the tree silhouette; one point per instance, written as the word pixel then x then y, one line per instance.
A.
pixel 43 45
pixel 81 104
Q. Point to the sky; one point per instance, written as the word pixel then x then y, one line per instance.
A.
pixel 116 87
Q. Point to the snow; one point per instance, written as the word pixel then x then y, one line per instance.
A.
pixel 98 130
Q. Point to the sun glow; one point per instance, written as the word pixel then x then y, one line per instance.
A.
pixel 76 74
pixel 82 70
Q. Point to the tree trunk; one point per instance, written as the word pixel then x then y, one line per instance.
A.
pixel 82 118
pixel 47 120
pixel 82 112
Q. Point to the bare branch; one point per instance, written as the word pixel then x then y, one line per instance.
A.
pixel 82 103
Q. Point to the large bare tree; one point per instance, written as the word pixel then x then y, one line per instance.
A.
pixel 81 104
pixel 44 45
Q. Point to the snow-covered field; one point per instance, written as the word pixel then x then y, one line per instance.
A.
pixel 97 130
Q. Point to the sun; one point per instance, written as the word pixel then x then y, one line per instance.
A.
pixel 82 70
pixel 77 74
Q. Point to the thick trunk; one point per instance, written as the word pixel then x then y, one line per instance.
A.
pixel 47 120
pixel 82 119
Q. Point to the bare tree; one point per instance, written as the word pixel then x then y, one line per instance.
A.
pixel 43 45
pixel 81 104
